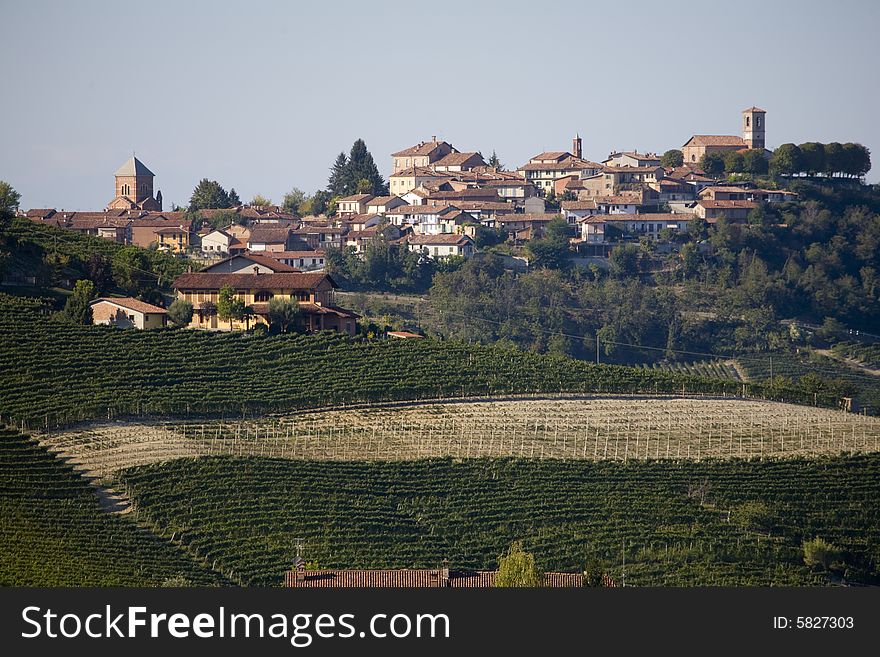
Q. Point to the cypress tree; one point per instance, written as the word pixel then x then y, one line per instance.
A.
pixel 336 183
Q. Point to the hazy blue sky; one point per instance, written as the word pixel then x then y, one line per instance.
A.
pixel 262 95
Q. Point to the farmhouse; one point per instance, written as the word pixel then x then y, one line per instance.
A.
pixel 249 263
pixel 126 312
pixel 313 291
pixel 441 246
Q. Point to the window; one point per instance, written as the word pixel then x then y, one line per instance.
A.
pixel 126 190
pixel 748 121
pixel 263 296
pixel 758 121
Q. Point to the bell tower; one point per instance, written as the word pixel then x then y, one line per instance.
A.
pixel 754 127
pixel 576 149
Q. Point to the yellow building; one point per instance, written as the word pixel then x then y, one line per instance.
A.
pixel 173 238
pixel 313 291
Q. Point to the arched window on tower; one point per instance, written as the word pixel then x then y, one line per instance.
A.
pixel 748 120
pixel 126 190
pixel 758 121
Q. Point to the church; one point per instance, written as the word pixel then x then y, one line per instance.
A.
pixel 753 133
pixel 134 188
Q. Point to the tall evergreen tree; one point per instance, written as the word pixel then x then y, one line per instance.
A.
pixel 208 194
pixel 234 201
pixel 336 184
pixel 362 167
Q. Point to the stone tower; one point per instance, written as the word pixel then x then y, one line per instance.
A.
pixel 134 181
pixel 754 127
pixel 576 146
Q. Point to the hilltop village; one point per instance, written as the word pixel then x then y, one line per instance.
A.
pixel 439 204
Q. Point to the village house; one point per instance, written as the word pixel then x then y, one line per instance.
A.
pixel 402 181
pixel 753 137
pixel 632 159
pixel 145 231
pixel 440 246
pixel 459 162
pixel 598 229
pixel 216 242
pixel 382 204
pixel 126 312
pixel 106 225
pixel 312 290
pixel 545 168
pixel 249 263
pixel 421 155
pixel 415 215
pixel 670 189
pixel 355 204
pixel 301 260
pixel 731 210
pixel 574 211
pixel 317 236
pixel 266 238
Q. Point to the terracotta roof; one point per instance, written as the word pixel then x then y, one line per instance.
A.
pixel 269 235
pixel 131 304
pixel 715 140
pixel 708 203
pixel 40 213
pixel 356 198
pixel 568 164
pixel 443 238
pixel 413 578
pixel 171 230
pixel 578 205
pixel 280 281
pixel 160 222
pixel 465 193
pixel 628 169
pixel 754 109
pixel 382 200
pixel 552 155
pixel 423 209
pixel 635 155
pixel 422 148
pixel 621 199
pixel 526 216
pixel 725 189
pixel 454 159
pixel 258 258
pixel 409 172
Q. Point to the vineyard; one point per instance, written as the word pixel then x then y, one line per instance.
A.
pixel 56 374
pixel 867 355
pixel 865 388
pixel 54 532
pixel 711 369
pixel 645 522
pixel 559 427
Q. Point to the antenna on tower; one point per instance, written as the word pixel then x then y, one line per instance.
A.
pixel 299 543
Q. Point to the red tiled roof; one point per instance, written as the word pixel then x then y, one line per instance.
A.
pixel 443 238
pixel 422 148
pixel 708 203
pixel 279 281
pixel 131 304
pixel 715 140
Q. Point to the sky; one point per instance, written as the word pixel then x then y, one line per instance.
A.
pixel 263 95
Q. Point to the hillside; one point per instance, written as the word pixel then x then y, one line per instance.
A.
pixel 56 373
pixel 54 532
pixel 677 522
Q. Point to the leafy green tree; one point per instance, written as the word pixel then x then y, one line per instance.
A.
pixel 813 154
pixel 856 160
pixel 99 269
pixel 180 312
pixel 517 569
pixel 9 200
pixel 284 314
pixel 734 162
pixel 551 251
pixel 229 307
pixel 754 517
pixel 754 162
pixel 624 260
pixel 697 229
pixel 821 554
pixel 758 216
pixel 78 310
pixel 672 158
pixel 834 159
pixel 208 194
pixel 787 160
pixel 316 204
pixel 495 162
pixel 712 164
pixel 260 201
pixel 131 269
pixel 690 260
pixel 336 185
pixel 293 199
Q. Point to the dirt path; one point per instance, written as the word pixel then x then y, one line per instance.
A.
pixel 852 362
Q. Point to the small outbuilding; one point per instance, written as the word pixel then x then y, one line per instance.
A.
pixel 127 312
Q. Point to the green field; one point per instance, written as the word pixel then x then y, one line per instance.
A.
pixel 676 522
pixel 54 532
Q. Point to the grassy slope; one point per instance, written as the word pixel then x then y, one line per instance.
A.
pixel 245 511
pixel 54 532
